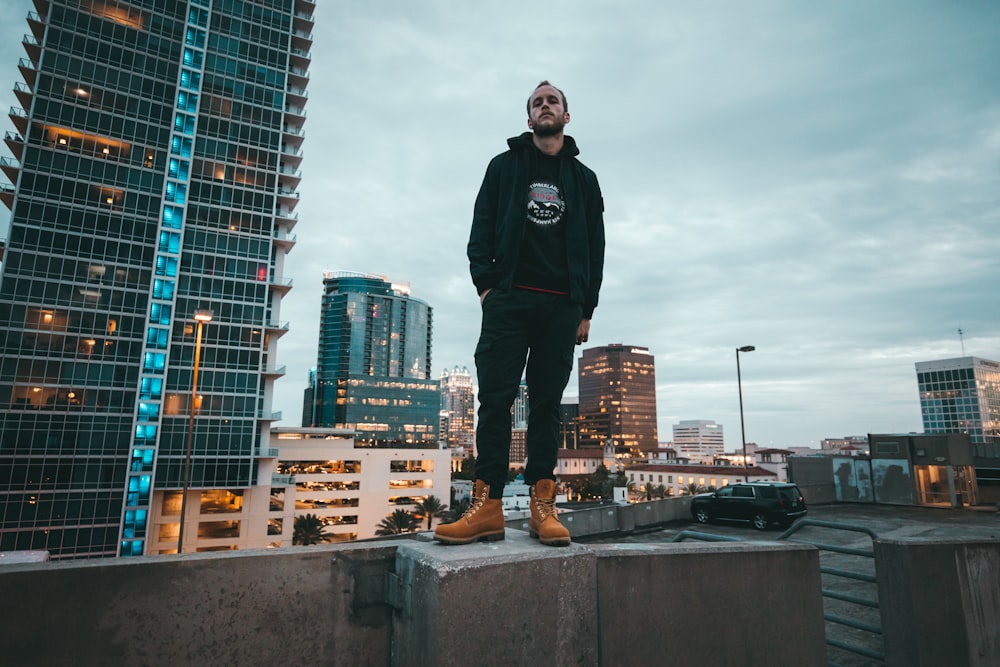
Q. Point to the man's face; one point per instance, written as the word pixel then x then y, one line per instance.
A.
pixel 546 114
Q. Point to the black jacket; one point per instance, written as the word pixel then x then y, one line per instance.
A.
pixel 500 217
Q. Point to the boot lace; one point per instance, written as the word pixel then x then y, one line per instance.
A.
pixel 476 504
pixel 546 507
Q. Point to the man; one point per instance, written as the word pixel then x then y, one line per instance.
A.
pixel 536 254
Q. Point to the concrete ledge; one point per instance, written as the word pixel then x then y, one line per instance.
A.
pixel 512 602
pixel 614 519
pixel 940 601
pixel 233 608
pixel 711 604
pixel 414 602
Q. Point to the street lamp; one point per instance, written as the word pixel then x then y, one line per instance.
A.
pixel 202 317
pixel 739 386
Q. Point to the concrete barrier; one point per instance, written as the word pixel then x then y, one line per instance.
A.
pixel 710 604
pixel 320 605
pixel 940 602
pixel 413 602
pixel 619 519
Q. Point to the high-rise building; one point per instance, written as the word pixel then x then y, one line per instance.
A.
pixel 374 367
pixel 458 404
pixel 569 425
pixel 519 410
pixel 618 393
pixel 962 395
pixel 698 439
pixel 154 175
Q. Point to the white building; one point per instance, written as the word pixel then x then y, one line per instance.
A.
pixel 351 489
pixel 698 439
pixel 676 478
pixel 586 461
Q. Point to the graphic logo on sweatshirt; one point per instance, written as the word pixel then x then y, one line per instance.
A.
pixel 545 206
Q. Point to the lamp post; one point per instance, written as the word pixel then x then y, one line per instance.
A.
pixel 202 317
pixel 739 386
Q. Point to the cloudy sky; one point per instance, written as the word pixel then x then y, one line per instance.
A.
pixel 815 179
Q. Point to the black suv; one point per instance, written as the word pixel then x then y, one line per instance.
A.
pixel 759 503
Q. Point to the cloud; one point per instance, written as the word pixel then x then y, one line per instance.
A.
pixel 816 180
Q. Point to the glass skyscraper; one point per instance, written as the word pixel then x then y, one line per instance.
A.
pixel 373 372
pixel 458 401
pixel 962 395
pixel 618 397
pixel 155 171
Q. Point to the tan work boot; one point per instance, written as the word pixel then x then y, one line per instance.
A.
pixel 544 522
pixel 482 521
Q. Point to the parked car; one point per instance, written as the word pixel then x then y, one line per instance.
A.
pixel 759 503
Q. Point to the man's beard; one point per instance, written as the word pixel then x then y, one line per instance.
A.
pixel 550 129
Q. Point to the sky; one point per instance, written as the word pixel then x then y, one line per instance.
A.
pixel 818 180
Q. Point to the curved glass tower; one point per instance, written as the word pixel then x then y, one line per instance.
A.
pixel 374 367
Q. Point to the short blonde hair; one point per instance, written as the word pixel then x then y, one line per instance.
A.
pixel 545 82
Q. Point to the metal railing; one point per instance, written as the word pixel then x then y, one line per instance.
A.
pixel 872 630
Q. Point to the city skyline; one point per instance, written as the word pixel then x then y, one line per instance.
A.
pixel 816 181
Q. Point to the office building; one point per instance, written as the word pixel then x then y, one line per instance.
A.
pixel 699 440
pixel 618 397
pixel 458 409
pixel 519 410
pixel 350 487
pixel 374 367
pixel 154 175
pixel 962 395
pixel 569 425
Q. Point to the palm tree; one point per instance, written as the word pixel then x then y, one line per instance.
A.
pixel 397 523
pixel 457 509
pixel 692 488
pixel 308 529
pixel 430 508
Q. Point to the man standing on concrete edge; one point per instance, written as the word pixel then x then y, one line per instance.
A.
pixel 536 253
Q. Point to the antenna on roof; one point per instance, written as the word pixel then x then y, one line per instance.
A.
pixel 960 338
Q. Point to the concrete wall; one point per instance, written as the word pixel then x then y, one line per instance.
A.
pixel 698 603
pixel 814 477
pixel 515 602
pixel 411 602
pixel 940 602
pixel 303 606
pixel 620 519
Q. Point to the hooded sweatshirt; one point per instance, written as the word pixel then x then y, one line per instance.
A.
pixel 500 220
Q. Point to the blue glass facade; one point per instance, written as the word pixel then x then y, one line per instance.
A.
pixel 154 175
pixel 962 395
pixel 374 367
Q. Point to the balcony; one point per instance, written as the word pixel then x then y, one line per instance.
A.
pixel 37 25
pixel 410 602
pixel 276 328
pixel 11 168
pixel 32 47
pixel 29 70
pixel 7 195
pixel 286 220
pixel 15 142
pixel 24 94
pixel 272 372
pixel 20 119
pixel 300 59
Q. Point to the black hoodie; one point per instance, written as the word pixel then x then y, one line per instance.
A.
pixel 500 217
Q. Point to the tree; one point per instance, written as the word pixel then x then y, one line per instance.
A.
pixel 457 509
pixel 397 523
pixel 308 529
pixel 692 488
pixel 430 508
